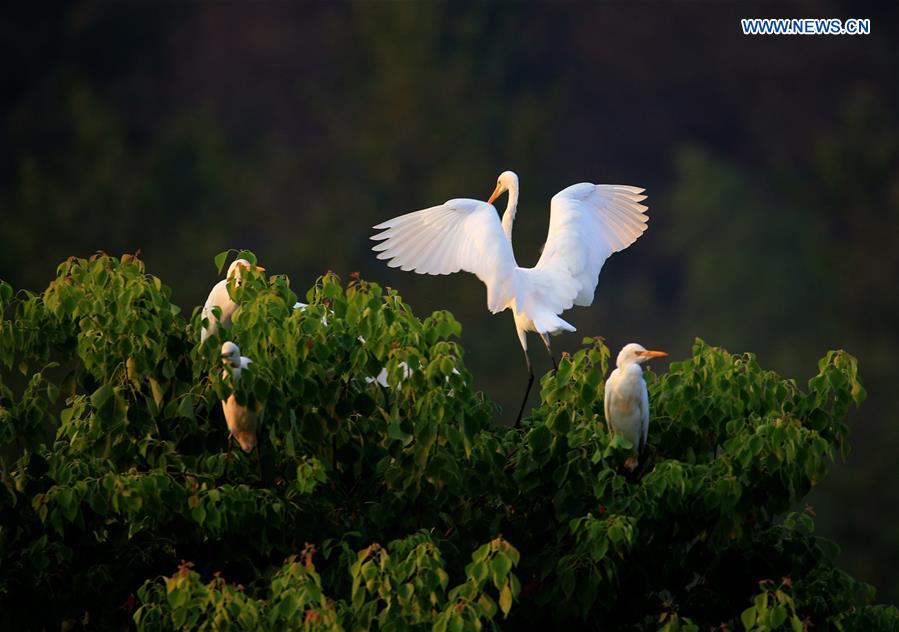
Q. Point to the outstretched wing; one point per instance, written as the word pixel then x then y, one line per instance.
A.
pixel 461 234
pixel 587 223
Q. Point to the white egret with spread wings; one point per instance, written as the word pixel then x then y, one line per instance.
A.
pixel 588 222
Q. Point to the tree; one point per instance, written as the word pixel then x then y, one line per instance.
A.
pixel 392 508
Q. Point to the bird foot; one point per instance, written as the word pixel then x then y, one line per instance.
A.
pixel 631 464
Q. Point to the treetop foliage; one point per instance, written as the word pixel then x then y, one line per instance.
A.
pixel 392 508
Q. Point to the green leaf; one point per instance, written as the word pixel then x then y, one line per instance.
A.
pixel 539 439
pixel 198 513
pixel 488 605
pixel 560 423
pixel 478 572
pixel 500 566
pixel 505 599
pixel 394 431
pixel 52 392
pixel 186 407
pixel 248 255
pixel 748 617
pixel 220 259
pixel 68 503
pixel 102 395
pixel 481 553
pixel 157 391
pixel 778 616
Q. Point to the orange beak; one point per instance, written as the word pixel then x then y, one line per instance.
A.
pixel 496 193
pixel 260 268
pixel 653 354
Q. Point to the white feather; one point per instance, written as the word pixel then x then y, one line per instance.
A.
pixel 587 223
pixel 218 297
pixel 627 404
pixel 458 235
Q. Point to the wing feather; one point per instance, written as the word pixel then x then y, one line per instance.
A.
pixel 414 243
pixel 588 222
pixel 420 250
pixel 459 235
pixel 441 256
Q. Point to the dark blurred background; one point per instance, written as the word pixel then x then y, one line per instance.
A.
pixel 772 166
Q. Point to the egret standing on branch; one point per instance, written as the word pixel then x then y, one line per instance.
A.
pixel 626 399
pixel 242 421
pixel 220 298
pixel 587 223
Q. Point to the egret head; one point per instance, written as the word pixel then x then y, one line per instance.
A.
pixel 634 353
pixel 238 265
pixel 231 354
pixel 507 181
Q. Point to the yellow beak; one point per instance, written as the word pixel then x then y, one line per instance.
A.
pixel 496 193
pixel 260 268
pixel 653 354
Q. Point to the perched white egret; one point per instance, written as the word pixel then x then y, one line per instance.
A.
pixel 242 422
pixel 626 399
pixel 587 223
pixel 220 298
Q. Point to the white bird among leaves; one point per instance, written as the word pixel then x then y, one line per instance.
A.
pixel 242 422
pixel 626 400
pixel 587 223
pixel 220 298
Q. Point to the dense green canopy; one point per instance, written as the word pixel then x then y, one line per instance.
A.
pixel 394 508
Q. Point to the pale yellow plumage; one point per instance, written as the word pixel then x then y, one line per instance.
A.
pixel 242 422
pixel 626 400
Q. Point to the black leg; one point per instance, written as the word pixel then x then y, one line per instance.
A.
pixel 527 391
pixel 545 338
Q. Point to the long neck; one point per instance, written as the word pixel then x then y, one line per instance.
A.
pixel 509 214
